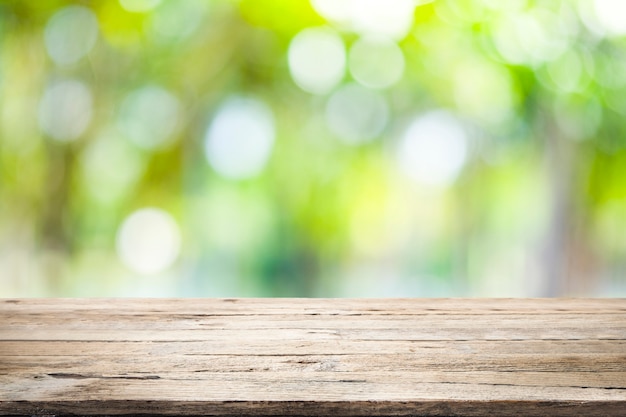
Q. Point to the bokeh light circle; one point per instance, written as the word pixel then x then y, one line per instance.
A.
pixel 139 6
pixel 65 110
pixel 433 150
pixel 389 18
pixel 611 15
pixel 149 116
pixel 317 60
pixel 148 242
pixel 355 114
pixel 70 34
pixel 239 140
pixel 376 62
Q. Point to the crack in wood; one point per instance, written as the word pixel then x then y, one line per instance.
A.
pixel 81 376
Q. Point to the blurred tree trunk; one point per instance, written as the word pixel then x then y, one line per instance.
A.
pixel 568 262
pixel 56 239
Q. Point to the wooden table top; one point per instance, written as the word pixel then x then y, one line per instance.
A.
pixel 313 357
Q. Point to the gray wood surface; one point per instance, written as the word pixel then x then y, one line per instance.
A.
pixel 313 357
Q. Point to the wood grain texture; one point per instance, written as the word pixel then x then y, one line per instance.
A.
pixel 313 357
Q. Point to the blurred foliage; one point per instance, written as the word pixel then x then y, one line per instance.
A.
pixel 331 148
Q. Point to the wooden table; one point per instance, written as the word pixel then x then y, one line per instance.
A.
pixel 313 357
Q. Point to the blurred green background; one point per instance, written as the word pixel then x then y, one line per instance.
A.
pixel 327 148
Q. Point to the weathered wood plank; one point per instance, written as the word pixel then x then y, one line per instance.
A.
pixel 611 365
pixel 395 357
pixel 310 347
pixel 76 321
pixel 304 306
